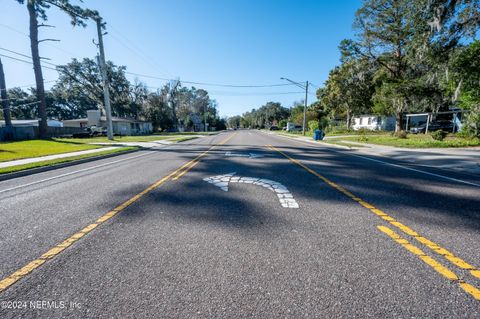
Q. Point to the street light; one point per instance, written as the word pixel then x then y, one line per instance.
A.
pixel 305 87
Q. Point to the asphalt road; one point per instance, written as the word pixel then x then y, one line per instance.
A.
pixel 367 239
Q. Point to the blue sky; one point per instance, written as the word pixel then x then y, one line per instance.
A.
pixel 240 42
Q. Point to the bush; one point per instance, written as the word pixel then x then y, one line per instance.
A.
pixel 439 135
pixel 313 125
pixel 363 131
pixel 338 130
pixel 400 134
pixel 363 138
pixel 471 127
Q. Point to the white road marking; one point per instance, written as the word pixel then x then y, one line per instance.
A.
pixel 284 196
pixel 397 165
pixel 249 155
pixel 71 173
pixel 418 171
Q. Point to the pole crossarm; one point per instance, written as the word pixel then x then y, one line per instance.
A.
pixel 300 85
pixel 304 87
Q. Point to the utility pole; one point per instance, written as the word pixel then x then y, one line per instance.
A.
pixel 205 118
pixel 5 105
pixel 305 109
pixel 103 67
pixel 305 87
pixel 171 101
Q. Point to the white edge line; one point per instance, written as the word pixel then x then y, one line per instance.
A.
pixel 395 165
pixel 417 170
pixel 71 173
pixel 85 169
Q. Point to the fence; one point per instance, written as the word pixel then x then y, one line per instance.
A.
pixel 18 133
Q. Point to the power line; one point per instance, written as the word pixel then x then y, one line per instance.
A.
pixel 130 45
pixel 28 85
pixel 26 56
pixel 167 79
pixel 28 62
pixel 13 107
pixel 252 94
pixel 209 84
pixel 153 77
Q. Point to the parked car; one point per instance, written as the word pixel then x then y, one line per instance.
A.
pixel 296 128
pixel 274 128
pixel 434 126
pixel 91 132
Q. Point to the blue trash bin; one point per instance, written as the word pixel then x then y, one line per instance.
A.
pixel 318 135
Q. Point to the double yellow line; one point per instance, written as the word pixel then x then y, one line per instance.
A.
pixel 449 256
pixel 31 266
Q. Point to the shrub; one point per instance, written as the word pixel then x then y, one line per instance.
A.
pixel 363 138
pixel 400 134
pixel 471 127
pixel 363 131
pixel 313 125
pixel 439 135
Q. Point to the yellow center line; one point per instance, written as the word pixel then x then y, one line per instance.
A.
pixel 444 271
pixel 28 268
pixel 195 161
pixel 430 244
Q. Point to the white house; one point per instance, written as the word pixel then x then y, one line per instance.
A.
pixel 374 123
pixel 121 126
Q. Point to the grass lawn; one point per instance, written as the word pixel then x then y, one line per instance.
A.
pixel 116 139
pixel 186 133
pixel 24 149
pixel 34 148
pixel 140 138
pixel 342 143
pixel 415 141
pixel 363 132
pixel 310 134
pixel 62 160
pixel 182 138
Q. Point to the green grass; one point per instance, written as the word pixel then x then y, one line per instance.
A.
pixel 383 138
pixel 352 132
pixel 415 141
pixel 35 148
pixel 182 138
pixel 18 168
pixel 140 138
pixel 342 143
pixel 116 139
pixel 186 133
pixel 10 151
pixel 345 133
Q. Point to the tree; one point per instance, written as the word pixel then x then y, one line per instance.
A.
pixel 348 89
pixel 138 94
pixel 80 88
pixel 37 11
pixel 234 121
pixel 386 31
pixel 22 104
pixel 157 110
pixel 450 21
